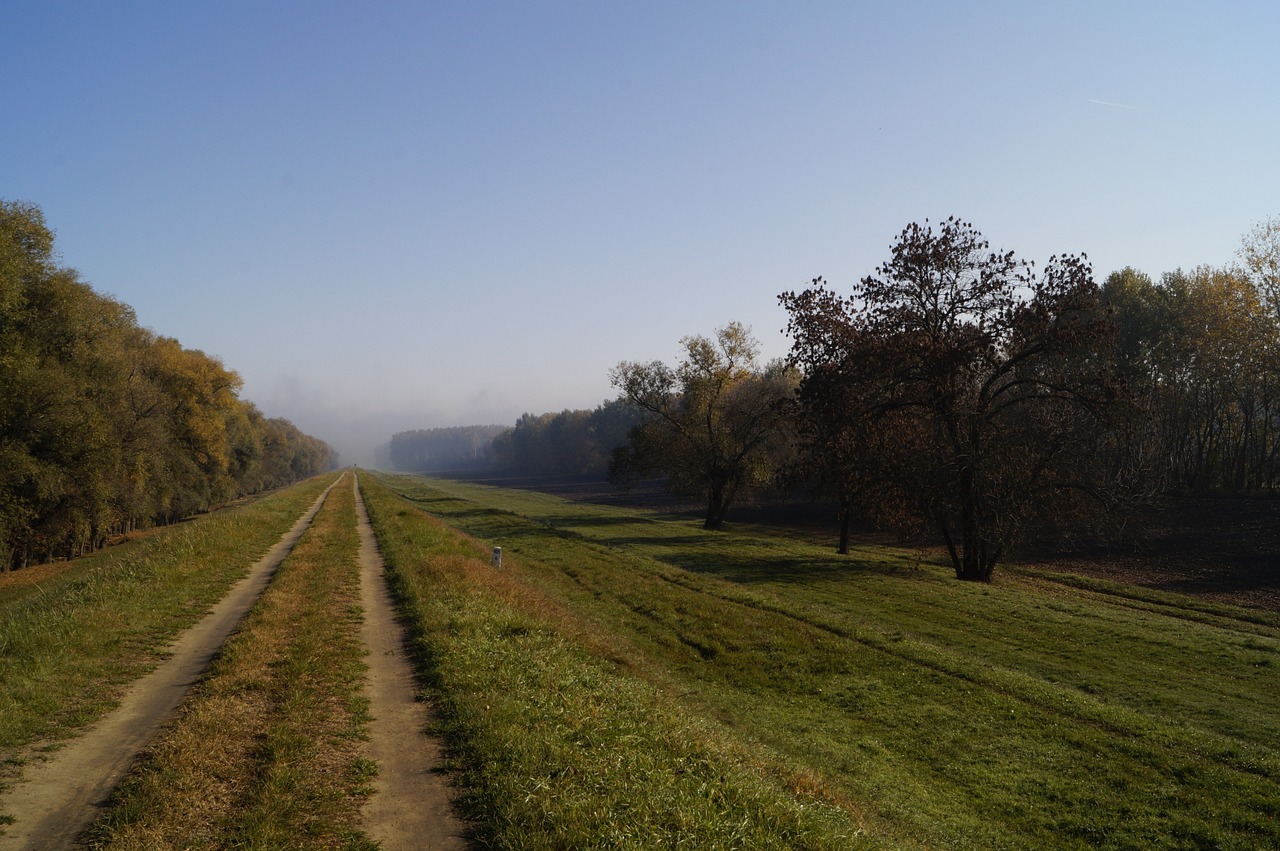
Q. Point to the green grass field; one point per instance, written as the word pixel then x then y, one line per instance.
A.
pixel 746 689
pixel 73 641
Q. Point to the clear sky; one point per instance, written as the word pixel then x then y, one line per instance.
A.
pixel 388 216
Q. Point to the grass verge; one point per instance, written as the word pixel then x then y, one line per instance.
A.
pixel 72 642
pixel 266 750
pixel 557 741
pixel 1035 712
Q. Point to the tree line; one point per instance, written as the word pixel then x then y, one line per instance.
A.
pixel 105 426
pixel 1200 352
pixel 567 443
pixel 960 392
pixel 440 449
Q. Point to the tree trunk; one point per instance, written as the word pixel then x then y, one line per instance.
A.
pixel 845 515
pixel 977 566
pixel 978 561
pixel 977 557
pixel 715 508
pixel 941 520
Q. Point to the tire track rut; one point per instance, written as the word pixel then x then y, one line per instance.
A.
pixel 411 806
pixel 56 800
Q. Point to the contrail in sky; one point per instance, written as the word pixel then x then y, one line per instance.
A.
pixel 1109 103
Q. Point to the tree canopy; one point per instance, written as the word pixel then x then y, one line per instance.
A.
pixel 958 389
pixel 716 420
pixel 1260 254
pixel 105 426
pixel 571 442
pixel 1201 352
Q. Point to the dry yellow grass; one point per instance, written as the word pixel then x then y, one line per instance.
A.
pixel 266 751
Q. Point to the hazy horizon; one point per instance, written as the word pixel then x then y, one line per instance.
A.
pixel 424 215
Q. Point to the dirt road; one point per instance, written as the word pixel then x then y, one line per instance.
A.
pixel 410 807
pixel 56 800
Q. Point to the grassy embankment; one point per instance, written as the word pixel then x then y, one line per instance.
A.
pixel 74 635
pixel 689 682
pixel 266 750
pixel 560 744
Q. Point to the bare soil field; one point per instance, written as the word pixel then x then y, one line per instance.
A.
pixel 1220 548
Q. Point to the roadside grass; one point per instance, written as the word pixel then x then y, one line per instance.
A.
pixel 266 751
pixel 556 741
pixel 72 642
pixel 1043 710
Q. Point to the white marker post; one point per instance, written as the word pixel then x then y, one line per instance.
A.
pixel 497 557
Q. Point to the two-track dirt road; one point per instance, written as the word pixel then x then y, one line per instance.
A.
pixel 56 800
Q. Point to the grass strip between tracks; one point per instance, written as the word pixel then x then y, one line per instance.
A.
pixel 266 750
pixel 72 641
pixel 1025 713
pixel 558 742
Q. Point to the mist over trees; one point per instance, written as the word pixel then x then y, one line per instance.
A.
pixel 568 443
pixel 438 449
pixel 105 426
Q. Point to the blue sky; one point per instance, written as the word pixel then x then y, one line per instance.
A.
pixel 403 215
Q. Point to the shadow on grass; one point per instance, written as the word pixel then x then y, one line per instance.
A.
pixel 747 563
pixel 757 559
pixel 594 520
pixel 748 570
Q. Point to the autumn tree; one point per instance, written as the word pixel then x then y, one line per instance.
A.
pixel 103 425
pixel 1199 350
pixel 847 445
pixel 1260 254
pixel 57 452
pixel 957 389
pixel 715 421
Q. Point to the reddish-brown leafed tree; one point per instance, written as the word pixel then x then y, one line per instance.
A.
pixel 958 389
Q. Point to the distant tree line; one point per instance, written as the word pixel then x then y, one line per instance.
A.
pixel 1200 353
pixel 961 392
pixel 568 443
pixel 105 426
pixel 440 449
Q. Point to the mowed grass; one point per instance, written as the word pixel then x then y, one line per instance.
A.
pixel 1040 711
pixel 266 751
pixel 72 641
pixel 557 742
